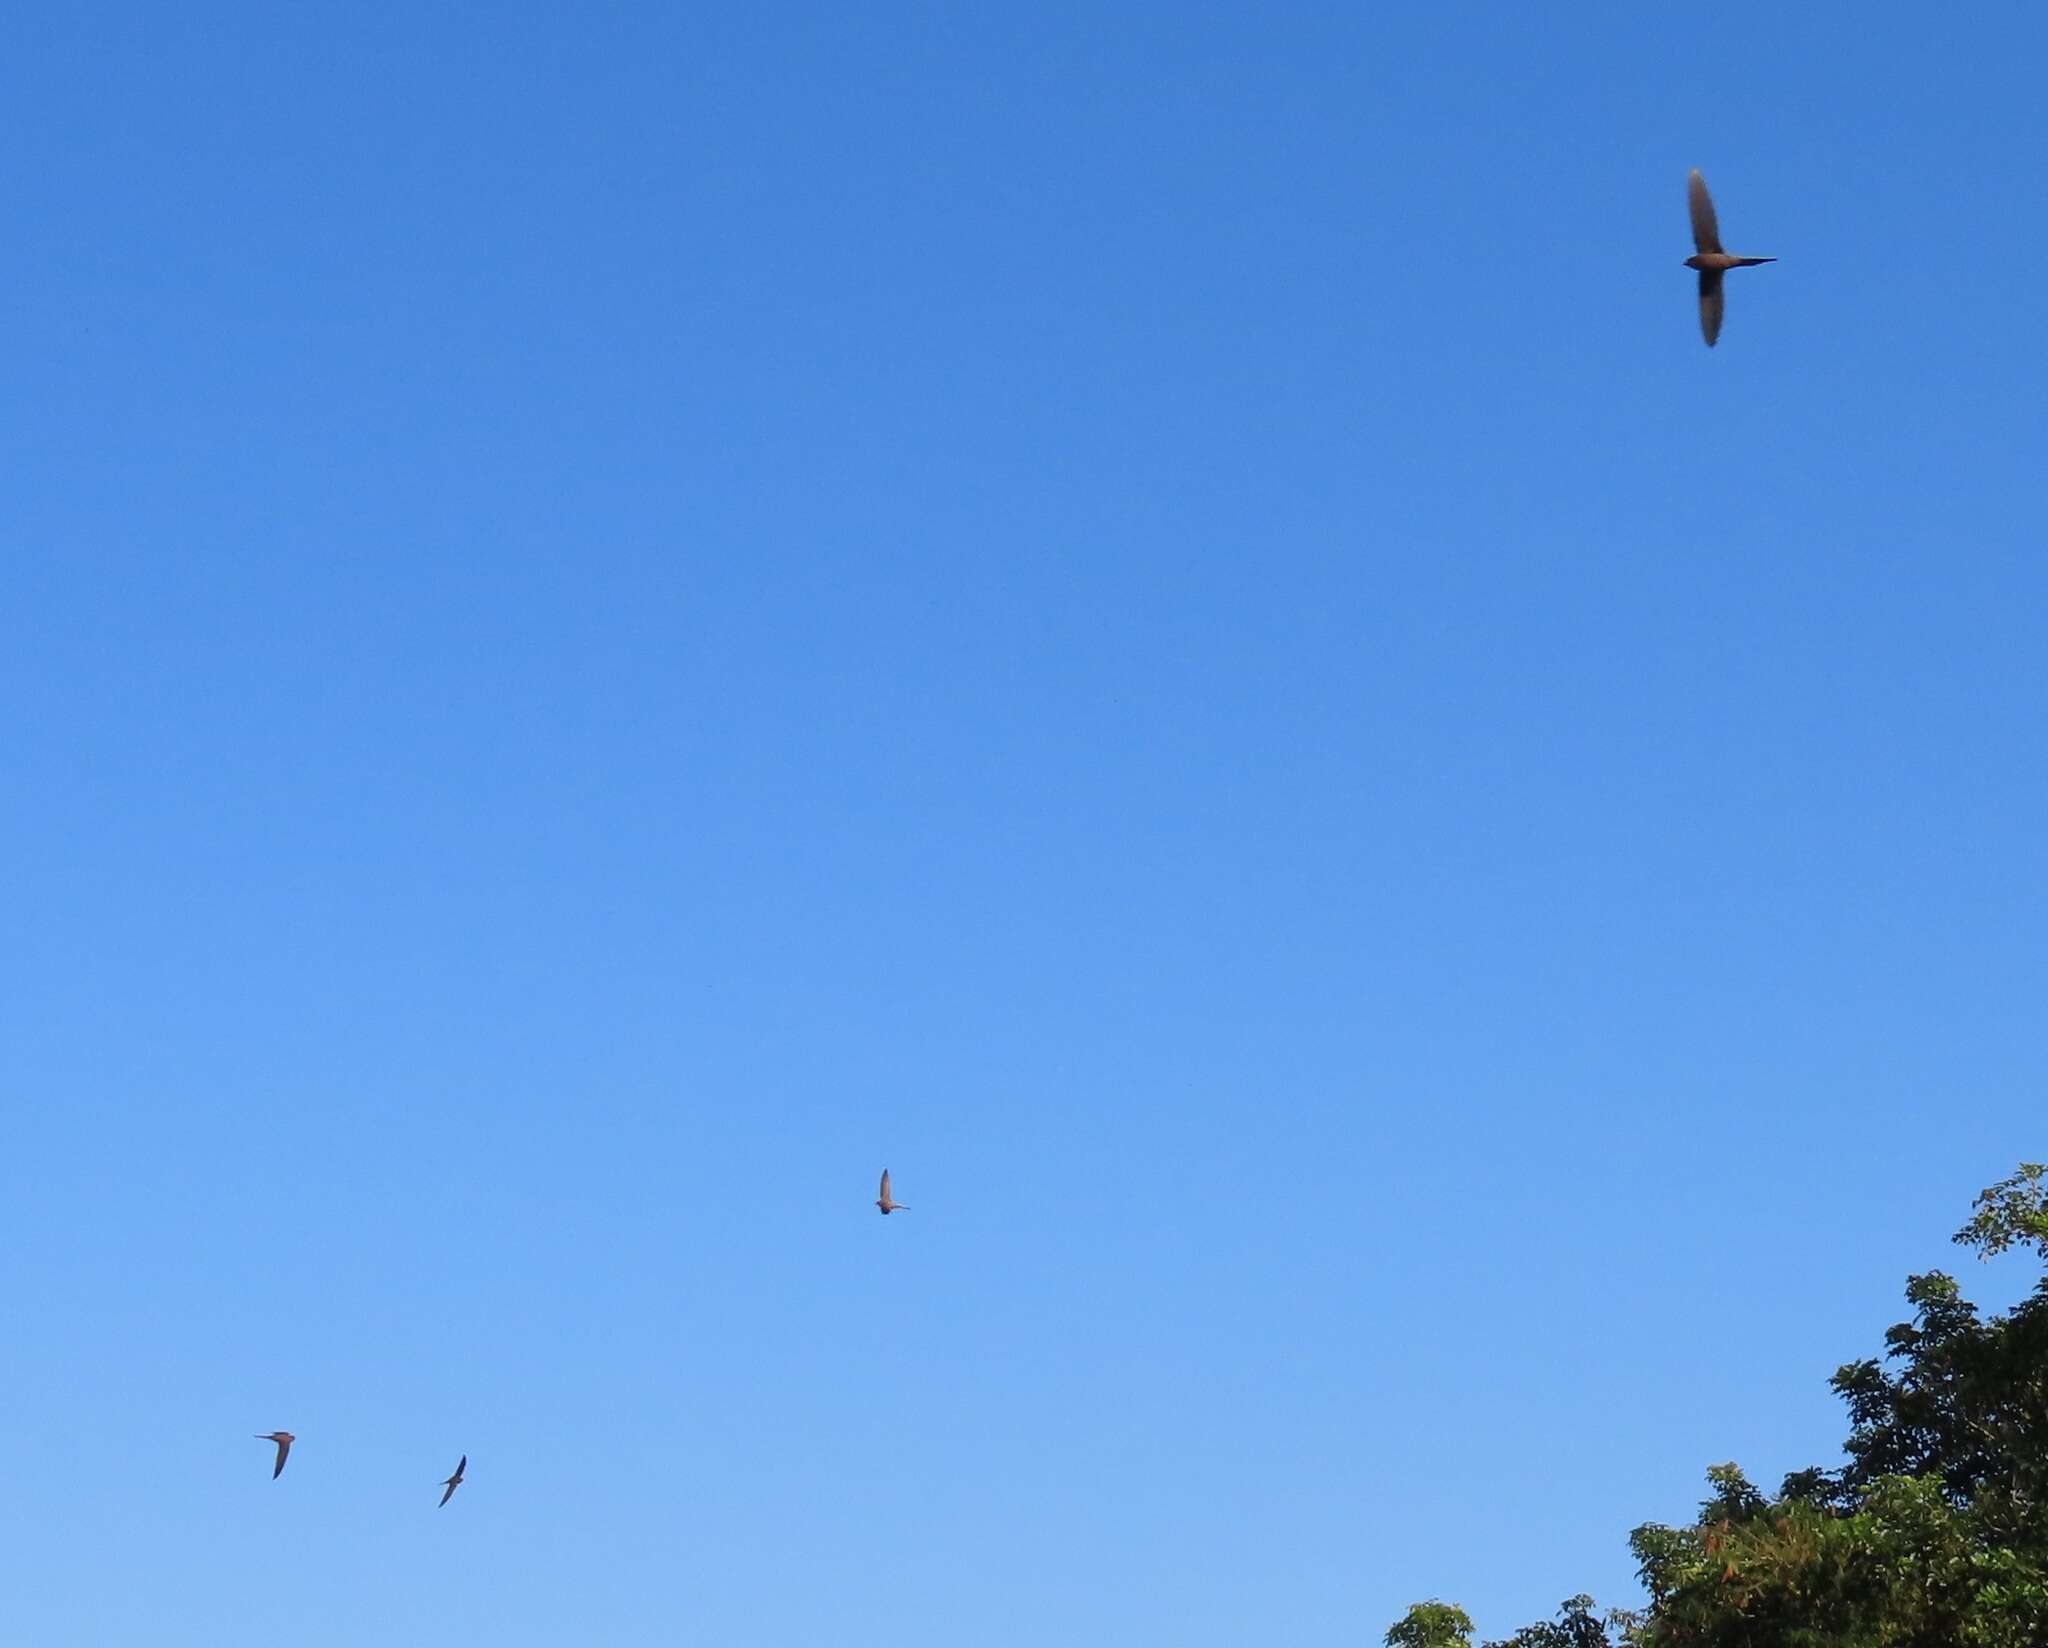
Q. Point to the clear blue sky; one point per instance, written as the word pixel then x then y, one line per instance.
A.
pixel 1154 616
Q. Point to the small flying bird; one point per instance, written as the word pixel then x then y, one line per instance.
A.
pixel 1710 260
pixel 887 1203
pixel 454 1481
pixel 284 1441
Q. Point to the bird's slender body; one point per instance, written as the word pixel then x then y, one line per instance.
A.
pixel 1709 258
pixel 454 1481
pixel 887 1203
pixel 284 1441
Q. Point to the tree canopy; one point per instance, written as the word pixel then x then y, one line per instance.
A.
pixel 1933 1534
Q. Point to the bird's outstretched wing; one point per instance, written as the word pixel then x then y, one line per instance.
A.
pixel 1710 304
pixel 1706 233
pixel 885 1184
pixel 277 1470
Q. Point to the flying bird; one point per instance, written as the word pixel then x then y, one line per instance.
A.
pixel 454 1481
pixel 1710 260
pixel 887 1203
pixel 284 1441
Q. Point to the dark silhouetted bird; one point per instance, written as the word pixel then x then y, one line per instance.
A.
pixel 887 1203
pixel 454 1481
pixel 284 1441
pixel 1710 260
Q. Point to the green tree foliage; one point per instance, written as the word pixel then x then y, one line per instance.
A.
pixel 1966 1399
pixel 1432 1625
pixel 1934 1534
pixel 1439 1625
pixel 1576 1626
pixel 2012 1213
pixel 1905 1569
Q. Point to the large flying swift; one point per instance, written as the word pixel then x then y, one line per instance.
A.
pixel 284 1441
pixel 1709 259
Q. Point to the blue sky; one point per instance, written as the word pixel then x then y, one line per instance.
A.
pixel 1153 616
